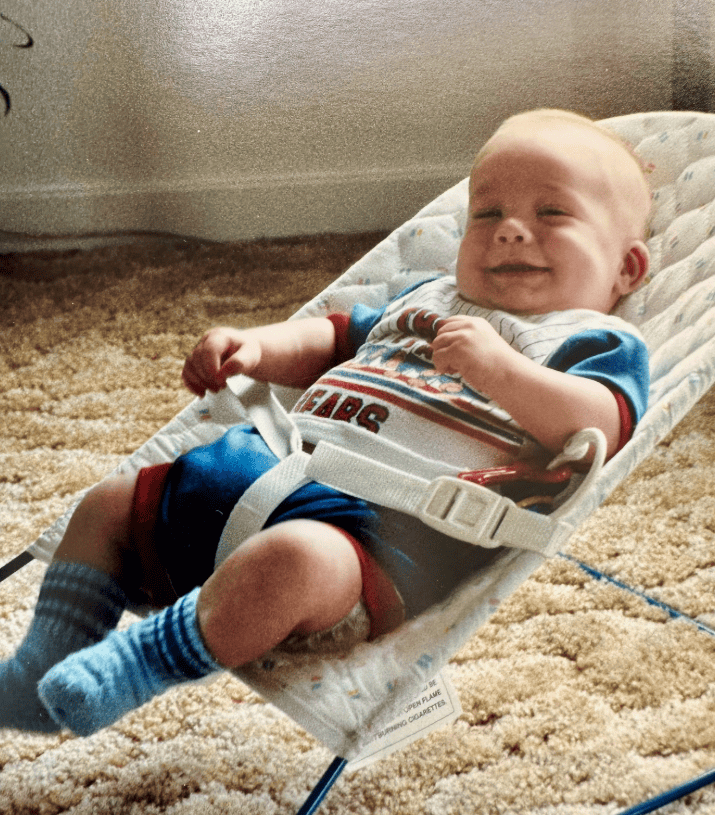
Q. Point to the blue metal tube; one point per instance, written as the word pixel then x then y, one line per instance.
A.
pixel 671 795
pixel 321 789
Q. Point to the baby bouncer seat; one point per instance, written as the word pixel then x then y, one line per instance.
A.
pixel 347 702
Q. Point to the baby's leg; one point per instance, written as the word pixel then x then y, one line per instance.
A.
pixel 296 577
pixel 81 599
pixel 97 534
pixel 299 576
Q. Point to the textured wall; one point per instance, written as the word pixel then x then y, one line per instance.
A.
pixel 237 118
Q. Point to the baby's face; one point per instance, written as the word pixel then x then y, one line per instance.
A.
pixel 545 230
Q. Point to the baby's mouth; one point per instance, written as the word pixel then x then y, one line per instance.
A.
pixel 517 268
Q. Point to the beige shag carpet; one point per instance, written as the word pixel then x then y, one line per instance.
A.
pixel 579 697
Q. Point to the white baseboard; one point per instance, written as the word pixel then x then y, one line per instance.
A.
pixel 274 206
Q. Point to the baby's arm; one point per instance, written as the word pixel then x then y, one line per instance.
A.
pixel 550 405
pixel 292 353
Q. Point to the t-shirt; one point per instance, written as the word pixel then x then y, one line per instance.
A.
pixel 384 382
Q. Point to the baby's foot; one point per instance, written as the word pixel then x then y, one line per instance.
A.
pixel 20 706
pixel 76 607
pixel 95 687
pixel 90 689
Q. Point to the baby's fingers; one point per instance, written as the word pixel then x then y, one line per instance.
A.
pixel 446 337
pixel 192 381
pixel 442 355
pixel 198 379
pixel 242 361
pixel 202 369
pixel 199 384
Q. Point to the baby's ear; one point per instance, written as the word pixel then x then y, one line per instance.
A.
pixel 635 267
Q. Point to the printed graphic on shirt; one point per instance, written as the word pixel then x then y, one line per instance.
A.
pixel 398 376
pixel 391 387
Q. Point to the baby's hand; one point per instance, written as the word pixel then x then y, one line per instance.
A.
pixel 220 353
pixel 467 346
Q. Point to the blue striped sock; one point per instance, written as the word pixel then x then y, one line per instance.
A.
pixel 93 688
pixel 77 606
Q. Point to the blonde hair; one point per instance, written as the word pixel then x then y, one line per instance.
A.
pixel 543 116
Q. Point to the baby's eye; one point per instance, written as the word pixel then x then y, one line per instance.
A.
pixel 490 212
pixel 552 212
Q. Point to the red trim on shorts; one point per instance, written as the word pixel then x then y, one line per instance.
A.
pixel 384 605
pixel 624 412
pixel 145 510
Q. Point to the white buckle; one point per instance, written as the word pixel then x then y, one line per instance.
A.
pixel 463 510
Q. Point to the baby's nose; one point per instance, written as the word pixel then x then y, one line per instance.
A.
pixel 512 230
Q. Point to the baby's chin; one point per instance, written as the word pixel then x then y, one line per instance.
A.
pixel 527 306
pixel 513 288
pixel 513 305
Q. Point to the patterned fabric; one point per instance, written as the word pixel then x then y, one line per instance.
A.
pixel 344 702
pixel 390 388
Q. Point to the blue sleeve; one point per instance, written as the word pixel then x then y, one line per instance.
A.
pixel 617 359
pixel 364 318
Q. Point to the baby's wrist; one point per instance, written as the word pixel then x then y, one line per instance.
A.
pixel 500 372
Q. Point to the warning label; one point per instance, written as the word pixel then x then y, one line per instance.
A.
pixel 437 706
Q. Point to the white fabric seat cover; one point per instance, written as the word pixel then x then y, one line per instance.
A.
pixel 344 701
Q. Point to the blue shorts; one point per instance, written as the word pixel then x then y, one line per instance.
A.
pixel 180 511
pixel 202 488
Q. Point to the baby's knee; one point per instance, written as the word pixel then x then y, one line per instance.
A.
pixel 310 550
pixel 109 505
pixel 321 563
pixel 99 531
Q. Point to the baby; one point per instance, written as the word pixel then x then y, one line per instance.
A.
pixel 505 360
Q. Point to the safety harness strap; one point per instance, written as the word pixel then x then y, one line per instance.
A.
pixel 256 504
pixel 268 416
pixel 457 507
